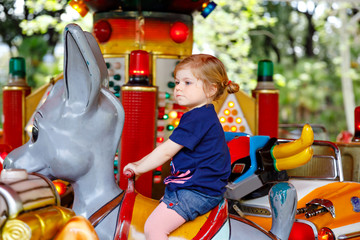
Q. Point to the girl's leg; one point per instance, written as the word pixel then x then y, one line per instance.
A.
pixel 161 222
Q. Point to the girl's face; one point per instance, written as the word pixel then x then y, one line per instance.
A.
pixel 189 91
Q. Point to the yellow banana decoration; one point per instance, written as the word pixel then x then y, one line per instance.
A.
pixel 293 148
pixel 293 161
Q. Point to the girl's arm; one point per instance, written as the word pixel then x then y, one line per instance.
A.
pixel 157 157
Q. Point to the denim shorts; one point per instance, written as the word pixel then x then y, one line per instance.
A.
pixel 189 203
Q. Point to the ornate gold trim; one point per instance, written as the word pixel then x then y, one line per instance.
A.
pixel 268 91
pixel 139 88
pixel 13 88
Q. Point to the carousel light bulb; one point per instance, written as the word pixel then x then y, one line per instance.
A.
pixel 173 114
pixel 238 120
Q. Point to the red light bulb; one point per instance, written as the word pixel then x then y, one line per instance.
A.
pixel 3 155
pixel 139 63
pixel 102 31
pixel 60 187
pixel 179 32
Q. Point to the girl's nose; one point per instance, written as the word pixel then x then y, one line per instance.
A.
pixel 178 87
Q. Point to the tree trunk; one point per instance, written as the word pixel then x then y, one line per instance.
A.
pixel 346 82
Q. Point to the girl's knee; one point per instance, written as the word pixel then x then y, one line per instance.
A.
pixel 161 222
pixel 149 225
pixel 153 231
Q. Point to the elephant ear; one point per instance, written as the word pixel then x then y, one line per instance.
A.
pixel 82 74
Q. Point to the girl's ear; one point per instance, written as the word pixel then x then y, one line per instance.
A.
pixel 212 90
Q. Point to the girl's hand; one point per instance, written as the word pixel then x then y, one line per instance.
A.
pixel 132 167
pixel 160 155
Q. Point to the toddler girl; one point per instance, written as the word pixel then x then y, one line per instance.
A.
pixel 200 164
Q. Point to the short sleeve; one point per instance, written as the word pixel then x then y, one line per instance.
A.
pixel 184 135
pixel 191 129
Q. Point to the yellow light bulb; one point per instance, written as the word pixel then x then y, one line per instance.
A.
pixel 222 119
pixel 29 128
pixel 233 129
pixel 226 111
pixel 176 122
pixel 231 104
pixel 238 120
pixel 80 7
pixel 173 114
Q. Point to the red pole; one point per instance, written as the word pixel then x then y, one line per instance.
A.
pixel 14 94
pixel 356 137
pixel 139 100
pixel 267 101
pixel 138 137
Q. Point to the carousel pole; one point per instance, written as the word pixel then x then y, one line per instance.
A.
pixel 267 101
pixel 14 94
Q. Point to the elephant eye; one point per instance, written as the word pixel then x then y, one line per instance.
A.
pixel 34 133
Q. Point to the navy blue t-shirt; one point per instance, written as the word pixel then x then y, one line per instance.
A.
pixel 203 164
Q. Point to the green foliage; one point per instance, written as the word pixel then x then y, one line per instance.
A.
pixel 302 38
pixel 226 32
pixel 9 22
pixel 309 94
pixel 33 30
pixel 38 71
pixel 51 14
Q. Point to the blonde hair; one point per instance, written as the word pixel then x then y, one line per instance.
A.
pixel 210 70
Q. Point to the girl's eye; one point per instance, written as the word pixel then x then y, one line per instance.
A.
pixel 187 83
pixel 34 134
pixel 177 82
